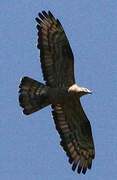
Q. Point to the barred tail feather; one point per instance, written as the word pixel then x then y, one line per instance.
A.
pixel 32 95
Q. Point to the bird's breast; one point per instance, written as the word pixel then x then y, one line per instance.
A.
pixel 59 96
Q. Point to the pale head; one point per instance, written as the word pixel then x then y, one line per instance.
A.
pixel 80 90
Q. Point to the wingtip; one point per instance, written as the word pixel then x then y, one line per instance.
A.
pixel 79 169
pixel 41 16
pixel 38 20
pixel 49 12
pixel 50 15
pixel 45 14
pixel 84 171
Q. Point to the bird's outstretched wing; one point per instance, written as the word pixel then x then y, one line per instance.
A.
pixel 76 136
pixel 56 56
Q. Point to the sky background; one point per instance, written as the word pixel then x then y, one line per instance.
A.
pixel 29 145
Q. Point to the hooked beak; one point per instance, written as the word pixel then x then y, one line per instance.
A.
pixel 89 92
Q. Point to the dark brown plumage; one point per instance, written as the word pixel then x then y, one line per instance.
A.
pixel 61 92
pixel 54 49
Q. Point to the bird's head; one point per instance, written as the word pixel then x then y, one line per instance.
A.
pixel 80 90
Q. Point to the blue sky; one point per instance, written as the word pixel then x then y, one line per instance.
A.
pixel 29 145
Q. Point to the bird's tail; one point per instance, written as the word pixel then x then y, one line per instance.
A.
pixel 32 95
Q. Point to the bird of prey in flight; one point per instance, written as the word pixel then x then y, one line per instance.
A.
pixel 61 92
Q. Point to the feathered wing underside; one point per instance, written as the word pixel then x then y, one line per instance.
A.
pixel 55 53
pixel 75 132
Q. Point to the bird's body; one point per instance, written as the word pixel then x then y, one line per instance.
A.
pixel 61 92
